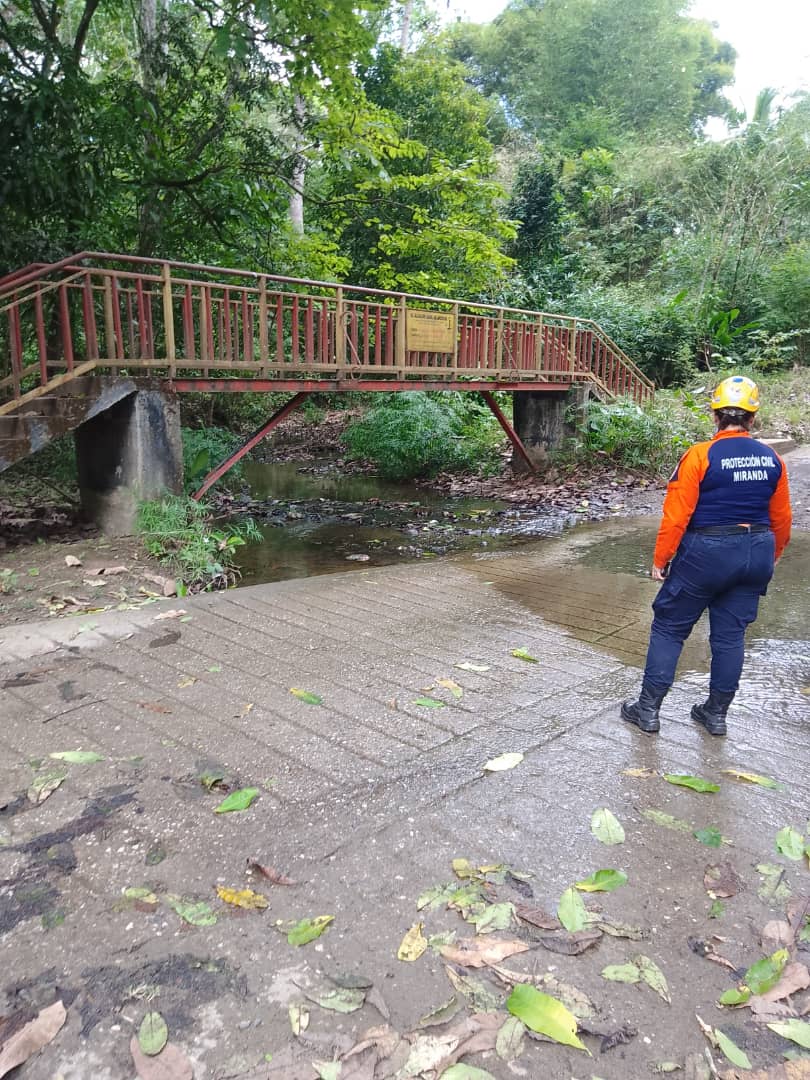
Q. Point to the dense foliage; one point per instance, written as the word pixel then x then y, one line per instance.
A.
pixel 554 159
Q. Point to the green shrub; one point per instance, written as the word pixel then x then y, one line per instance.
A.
pixel 649 438
pixel 414 434
pixel 205 448
pixel 179 531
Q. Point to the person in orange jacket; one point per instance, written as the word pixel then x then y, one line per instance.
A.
pixel 726 521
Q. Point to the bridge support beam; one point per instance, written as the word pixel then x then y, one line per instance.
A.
pixel 130 452
pixel 543 421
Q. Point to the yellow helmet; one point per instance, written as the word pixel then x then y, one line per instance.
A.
pixel 737 392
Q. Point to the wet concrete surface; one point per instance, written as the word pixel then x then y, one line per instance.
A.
pixel 366 799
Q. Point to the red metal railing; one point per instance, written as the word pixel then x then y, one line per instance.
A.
pixel 194 324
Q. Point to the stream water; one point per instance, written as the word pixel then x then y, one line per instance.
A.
pixel 316 520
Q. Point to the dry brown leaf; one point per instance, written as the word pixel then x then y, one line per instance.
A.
pixel 381 1051
pixel 476 1035
pixel 274 876
pixel 570 944
pixel 641 773
pixel 722 880
pixel 765 1012
pixel 481 951
pixel 794 978
pixel 37 1033
pixel 170 1064
pixel 172 613
pixel 776 934
pixel 537 916
pixel 107 571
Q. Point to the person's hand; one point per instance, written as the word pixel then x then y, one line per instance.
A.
pixel 656 574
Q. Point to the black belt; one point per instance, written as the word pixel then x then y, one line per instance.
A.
pixel 730 530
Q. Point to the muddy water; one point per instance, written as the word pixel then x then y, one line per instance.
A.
pixel 315 520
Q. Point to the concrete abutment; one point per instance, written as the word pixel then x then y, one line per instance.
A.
pixel 544 420
pixel 127 453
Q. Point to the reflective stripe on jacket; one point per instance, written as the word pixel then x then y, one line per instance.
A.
pixel 732 479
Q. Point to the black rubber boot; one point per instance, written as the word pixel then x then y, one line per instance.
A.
pixel 644 712
pixel 712 713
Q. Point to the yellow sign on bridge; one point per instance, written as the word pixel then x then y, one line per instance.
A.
pixel 430 331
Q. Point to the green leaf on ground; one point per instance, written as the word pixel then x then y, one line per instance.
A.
pixel 153 1034
pixel 503 762
pixel 510 1040
pixel 606 827
pixel 694 783
pixel 545 1015
pixel 142 893
pixel 602 881
pixel 626 973
pixel 194 912
pixel 493 917
pixel 343 999
pixel 790 843
pixel 44 785
pixel 571 911
pixel 773 889
pixel 478 994
pixel 711 837
pixel 765 973
pixel 307 930
pixel 737 995
pixel 659 817
pixel 430 703
pixel 211 777
pixel 797 1031
pixel 462 1071
pixel 653 976
pixel 77 757
pixel 524 654
pixel 327 1070
pixel 237 800
pixel 754 778
pixel 452 686
pixel 306 696
pixel 435 896
pixel 717 909
pixel 734 1054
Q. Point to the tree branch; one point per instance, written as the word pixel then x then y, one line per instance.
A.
pixel 90 7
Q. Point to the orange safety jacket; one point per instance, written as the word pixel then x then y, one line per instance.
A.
pixel 731 480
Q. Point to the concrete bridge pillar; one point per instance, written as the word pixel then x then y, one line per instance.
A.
pixel 544 420
pixel 130 452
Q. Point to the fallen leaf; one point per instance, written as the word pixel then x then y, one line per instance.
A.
pixel 170 1064
pixel 413 945
pixel 211 777
pixel 185 682
pixel 641 773
pixel 44 785
pixel 734 1054
pixel 619 1037
pixel 464 869
pixel 270 872
pixel 694 783
pixel 776 934
pixel 153 1034
pixel 242 898
pixel 794 978
pixel 299 1018
pixel 77 757
pixel 523 654
pixel 172 613
pixel 462 1071
pixel 330 1070
pixel 790 843
pixel 71 560
pixel 711 837
pixel 773 888
pixel 737 995
pixel 536 916
pixel 753 778
pixel 717 909
pixel 503 762
pixel 602 881
pixel 667 820
pixel 606 827
pixel 766 972
pixel 722 880
pixel 571 911
pixel 493 917
pixel 468 666
pixel 342 999
pixel 797 1031
pixel 237 800
pixel 441 1014
pixel 194 912
pixel 479 995
pixel 452 686
pixel 567 944
pixel 479 952
pixel 429 703
pixel 626 973
pixel 32 1036
pixel 545 1015
pixel 620 930
pixel 667 1067
pixel 653 976
pixel 510 1040
pixel 307 930
pixel 306 696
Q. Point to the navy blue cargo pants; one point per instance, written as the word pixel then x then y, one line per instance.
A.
pixel 726 574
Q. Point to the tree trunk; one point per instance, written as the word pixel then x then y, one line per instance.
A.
pixel 151 32
pixel 405 27
pixel 299 167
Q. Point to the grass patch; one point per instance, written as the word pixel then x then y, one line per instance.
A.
pixel 181 534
